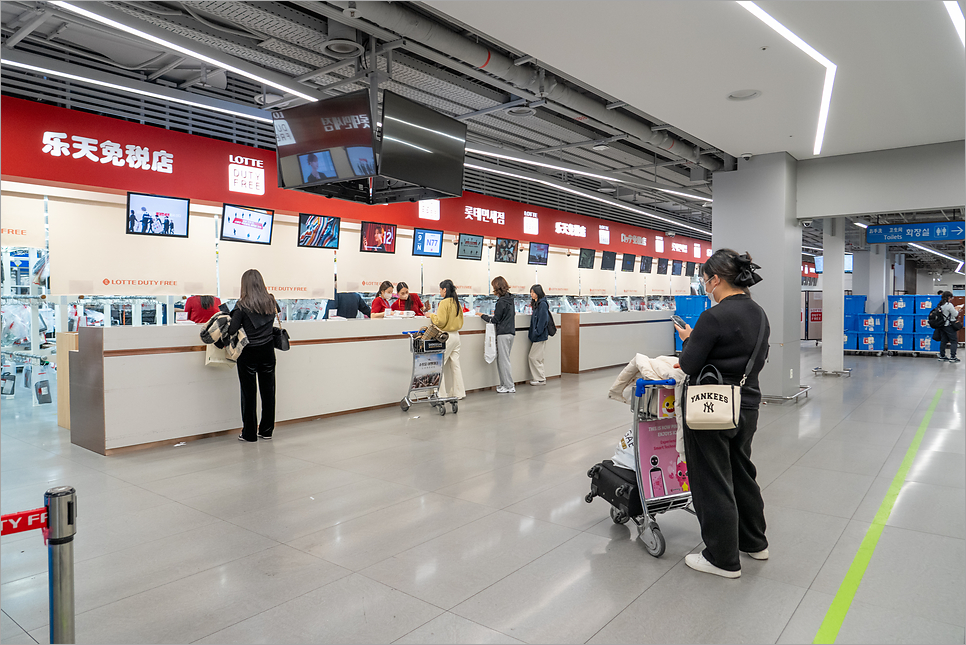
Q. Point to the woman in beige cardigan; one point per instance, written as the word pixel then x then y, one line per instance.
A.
pixel 449 318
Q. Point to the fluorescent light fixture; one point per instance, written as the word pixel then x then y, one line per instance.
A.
pixel 861 224
pixel 122 88
pixel 959 269
pixel 959 22
pixel 756 11
pixel 167 44
pixel 700 198
pixel 588 196
pixel 934 252
pixel 811 255
pixel 573 171
pixel 812 248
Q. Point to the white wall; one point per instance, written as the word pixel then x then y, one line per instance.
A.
pixel 884 181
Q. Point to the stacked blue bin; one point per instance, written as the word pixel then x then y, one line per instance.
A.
pixel 923 341
pixel 854 310
pixel 870 332
pixel 689 308
pixel 901 323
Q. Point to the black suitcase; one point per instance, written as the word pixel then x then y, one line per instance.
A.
pixel 618 487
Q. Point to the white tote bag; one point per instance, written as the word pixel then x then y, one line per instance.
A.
pixel 489 343
pixel 216 357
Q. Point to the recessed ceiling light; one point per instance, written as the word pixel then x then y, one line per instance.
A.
pixel 600 147
pixel 607 189
pixel 520 111
pixel 744 95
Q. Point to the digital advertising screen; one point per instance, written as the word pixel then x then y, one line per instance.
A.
pixel 427 243
pixel 539 253
pixel 848 262
pixel 157 215
pixel 608 260
pixel 689 269
pixel 470 247
pixel 318 231
pixel 676 267
pixel 586 259
pixel 506 250
pixel 377 238
pixel 662 266
pixel 646 262
pixel 819 264
pixel 627 262
pixel 243 224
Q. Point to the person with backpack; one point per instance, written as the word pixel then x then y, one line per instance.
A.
pixel 947 319
pixel 541 328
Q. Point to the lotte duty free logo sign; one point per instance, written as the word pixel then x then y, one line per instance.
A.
pixel 246 175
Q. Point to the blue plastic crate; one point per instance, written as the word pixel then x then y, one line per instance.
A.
pixel 872 342
pixel 871 323
pixel 925 343
pixel 855 304
pixel 902 324
pixel 685 306
pixel 925 304
pixel 691 320
pixel 902 305
pixel 851 340
pixel 901 342
pixel 922 325
pixel 849 322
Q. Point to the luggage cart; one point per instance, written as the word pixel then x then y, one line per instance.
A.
pixel 427 375
pixel 657 496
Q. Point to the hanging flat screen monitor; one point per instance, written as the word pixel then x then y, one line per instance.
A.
pixel 157 215
pixel 469 247
pixel 244 224
pixel 819 263
pixel 608 260
pixel 676 267
pixel 319 231
pixel 427 243
pixel 627 262
pixel 689 269
pixel 662 266
pixel 538 254
pixel 848 263
pixel 421 146
pixel 506 250
pixel 325 141
pixel 586 260
pixel 646 262
pixel 377 238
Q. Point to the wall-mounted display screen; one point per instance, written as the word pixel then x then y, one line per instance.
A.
pixel 689 269
pixel 608 260
pixel 848 262
pixel 157 215
pixel 469 247
pixel 662 266
pixel 627 262
pixel 318 231
pixel 586 260
pixel 819 264
pixel 676 267
pixel 506 250
pixel 427 243
pixel 538 254
pixel 378 238
pixel 646 262
pixel 243 224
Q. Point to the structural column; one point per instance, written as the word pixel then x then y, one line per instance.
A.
pixel 833 294
pixel 755 211
pixel 870 277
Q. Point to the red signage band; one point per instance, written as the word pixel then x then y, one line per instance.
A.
pixel 73 149
pixel 24 521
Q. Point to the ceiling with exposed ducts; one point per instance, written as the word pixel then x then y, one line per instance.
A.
pixel 536 134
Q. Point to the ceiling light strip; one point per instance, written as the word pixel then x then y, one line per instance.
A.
pixel 589 196
pixel 959 21
pixel 178 48
pixel 830 68
pixel 934 252
pixel 123 88
pixel 697 198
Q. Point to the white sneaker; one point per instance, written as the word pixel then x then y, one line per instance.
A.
pixel 538 382
pixel 698 562
pixel 757 555
pixel 512 390
pixel 501 390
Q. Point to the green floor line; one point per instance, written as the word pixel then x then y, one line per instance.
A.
pixel 835 615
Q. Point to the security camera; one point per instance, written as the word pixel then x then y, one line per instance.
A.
pixel 670 233
pixel 807 223
pixel 746 156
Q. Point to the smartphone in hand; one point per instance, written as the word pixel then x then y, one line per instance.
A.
pixel 678 321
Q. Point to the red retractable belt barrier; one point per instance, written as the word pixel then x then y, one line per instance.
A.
pixel 25 521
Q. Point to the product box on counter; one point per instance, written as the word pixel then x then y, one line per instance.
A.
pixel 925 304
pixel 871 342
pixel 855 304
pixel 870 323
pixel 902 324
pixel 851 340
pixel 925 343
pixel 901 342
pixel 902 305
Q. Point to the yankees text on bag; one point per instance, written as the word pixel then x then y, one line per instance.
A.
pixel 716 406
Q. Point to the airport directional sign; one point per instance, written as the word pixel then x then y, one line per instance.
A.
pixel 922 232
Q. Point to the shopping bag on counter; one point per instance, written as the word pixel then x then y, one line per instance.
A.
pixel 217 357
pixel 489 343
pixel 42 387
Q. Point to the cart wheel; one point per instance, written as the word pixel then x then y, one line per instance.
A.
pixel 455 407
pixel 618 517
pixel 404 404
pixel 589 498
pixel 654 544
pixel 442 409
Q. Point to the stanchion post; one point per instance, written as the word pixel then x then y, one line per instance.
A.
pixel 61 505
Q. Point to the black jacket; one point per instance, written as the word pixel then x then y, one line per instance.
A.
pixel 258 327
pixel 725 337
pixel 348 304
pixel 504 316
pixel 540 322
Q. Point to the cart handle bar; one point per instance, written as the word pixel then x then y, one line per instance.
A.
pixel 409 333
pixel 641 384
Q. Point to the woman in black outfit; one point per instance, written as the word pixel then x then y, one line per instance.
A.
pixel 727 499
pixel 504 317
pixel 255 313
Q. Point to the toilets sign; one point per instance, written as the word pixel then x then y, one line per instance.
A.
pixel 923 232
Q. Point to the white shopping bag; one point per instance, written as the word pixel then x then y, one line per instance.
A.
pixel 489 343
pixel 217 357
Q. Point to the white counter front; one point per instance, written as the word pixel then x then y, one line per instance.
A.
pixel 132 386
pixel 595 340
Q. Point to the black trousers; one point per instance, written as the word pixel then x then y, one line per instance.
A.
pixel 948 339
pixel 256 374
pixel 726 497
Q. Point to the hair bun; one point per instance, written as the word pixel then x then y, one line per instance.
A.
pixel 747 276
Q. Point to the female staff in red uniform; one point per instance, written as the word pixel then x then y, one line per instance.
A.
pixel 407 301
pixel 381 303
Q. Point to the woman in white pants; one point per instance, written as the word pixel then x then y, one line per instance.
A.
pixel 449 318
pixel 538 334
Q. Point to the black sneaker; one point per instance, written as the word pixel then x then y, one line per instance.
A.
pixel 266 437
pixel 952 360
pixel 942 359
pixel 242 438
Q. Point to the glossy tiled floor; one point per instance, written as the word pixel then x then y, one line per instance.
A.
pixel 391 527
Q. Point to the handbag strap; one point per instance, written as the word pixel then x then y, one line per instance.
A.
pixel 754 354
pixel 275 302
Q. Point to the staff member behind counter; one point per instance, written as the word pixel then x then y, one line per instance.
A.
pixel 347 305
pixel 380 305
pixel 407 301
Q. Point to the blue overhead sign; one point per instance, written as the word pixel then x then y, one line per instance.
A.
pixel 904 233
